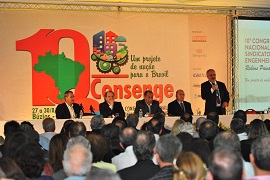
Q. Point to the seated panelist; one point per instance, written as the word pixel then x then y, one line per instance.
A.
pixel 109 107
pixel 179 107
pixel 68 109
pixel 148 105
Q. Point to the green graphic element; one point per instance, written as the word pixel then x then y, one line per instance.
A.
pixel 64 71
pixel 106 62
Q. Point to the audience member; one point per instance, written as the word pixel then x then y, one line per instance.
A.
pixel 213 116
pixel 56 151
pixel 14 142
pixel 66 127
pixel 111 108
pixel 225 164
pixel 11 169
pixel 148 105
pixel 179 107
pixel 60 175
pixel 161 118
pixel 102 174
pixel 185 139
pixel 68 109
pixel 99 148
pixel 77 129
pixel 10 127
pixel 176 126
pixel 260 158
pixel 132 121
pixel 256 129
pixel 229 140
pixel 208 131
pixel 96 123
pixel 127 158
pixel 187 127
pixel 199 122
pixel 111 134
pixel 267 124
pixel 48 125
pixel 241 114
pixel 238 126
pixel 120 122
pixel 30 131
pixel 188 166
pixel 30 159
pixel 144 149
pixel 187 117
pixel 26 125
pixel 167 147
pixel 155 126
pixel 77 160
pixel 201 148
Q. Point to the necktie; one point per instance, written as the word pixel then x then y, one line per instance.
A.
pixel 182 106
pixel 149 108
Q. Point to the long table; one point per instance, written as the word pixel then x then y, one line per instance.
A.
pixel 224 119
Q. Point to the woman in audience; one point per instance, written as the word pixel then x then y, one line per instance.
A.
pixel 57 147
pixel 176 125
pixel 188 166
pixel 11 169
pixel 257 128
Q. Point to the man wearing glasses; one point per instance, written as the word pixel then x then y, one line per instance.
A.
pixel 215 94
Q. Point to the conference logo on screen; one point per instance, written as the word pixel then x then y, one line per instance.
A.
pixel 109 52
pixel 53 73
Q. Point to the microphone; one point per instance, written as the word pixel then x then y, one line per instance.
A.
pixel 213 82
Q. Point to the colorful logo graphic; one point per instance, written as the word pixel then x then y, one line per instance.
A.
pixel 109 52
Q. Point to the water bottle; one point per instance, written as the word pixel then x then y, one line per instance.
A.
pixel 81 114
pixel 198 112
pixel 140 113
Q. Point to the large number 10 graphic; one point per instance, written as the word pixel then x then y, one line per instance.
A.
pixel 46 40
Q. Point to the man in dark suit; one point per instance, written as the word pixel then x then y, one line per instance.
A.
pixel 179 107
pixel 110 107
pixel 215 94
pixel 68 109
pixel 148 105
pixel 144 150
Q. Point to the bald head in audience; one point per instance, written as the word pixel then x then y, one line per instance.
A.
pixel 225 164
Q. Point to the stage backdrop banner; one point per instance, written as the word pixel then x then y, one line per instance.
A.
pixel 45 53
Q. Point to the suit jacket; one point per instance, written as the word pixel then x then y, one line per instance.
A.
pixel 141 104
pixel 62 111
pixel 106 111
pixel 210 98
pixel 174 108
pixel 142 170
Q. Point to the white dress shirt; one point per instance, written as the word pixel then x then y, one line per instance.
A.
pixel 125 159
